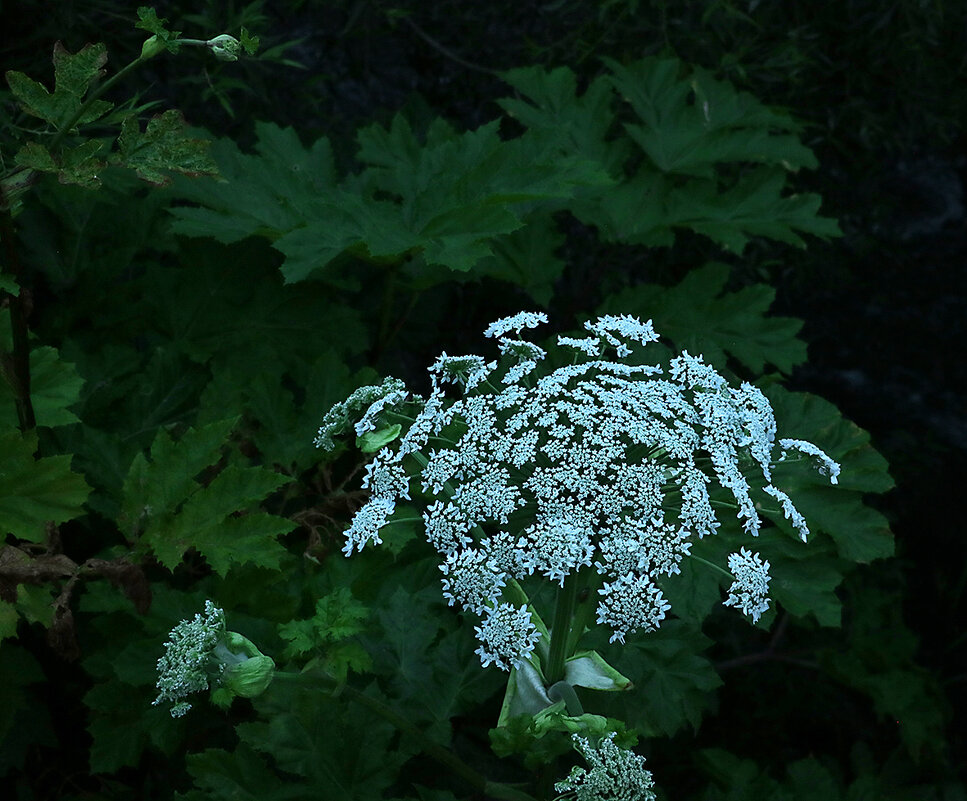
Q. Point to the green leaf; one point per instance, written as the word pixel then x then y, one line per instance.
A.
pixel 861 533
pixel 9 618
pixel 242 775
pixel 752 207
pixel 672 681
pixel 692 130
pixel 338 618
pixel 229 307
pixel 123 724
pixel 372 441
pixel 277 423
pixel 249 42
pixel 633 212
pixel 74 165
pixel 560 119
pixel 8 284
pixel 73 75
pixel 148 20
pixel 173 511
pixel 885 667
pixel 54 386
pixel 163 145
pixel 33 491
pixel 457 192
pixel 526 258
pixel 348 757
pixel 697 315
pixel 690 125
pixel 446 199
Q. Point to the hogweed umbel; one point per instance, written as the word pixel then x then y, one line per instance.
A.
pixel 599 466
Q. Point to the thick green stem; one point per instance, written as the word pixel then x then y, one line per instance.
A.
pixel 586 607
pixel 561 629
pixel 476 780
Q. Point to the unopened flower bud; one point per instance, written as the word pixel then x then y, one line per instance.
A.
pixel 249 678
pixel 224 47
pixel 152 47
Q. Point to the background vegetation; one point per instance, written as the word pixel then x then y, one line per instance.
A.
pixel 185 341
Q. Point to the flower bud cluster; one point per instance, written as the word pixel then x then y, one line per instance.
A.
pixel 613 773
pixel 202 653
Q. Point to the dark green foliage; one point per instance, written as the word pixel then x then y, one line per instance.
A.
pixel 184 343
pixel 689 131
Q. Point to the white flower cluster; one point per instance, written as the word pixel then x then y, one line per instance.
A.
pixel 613 774
pixel 599 464
pixel 186 666
pixel 750 590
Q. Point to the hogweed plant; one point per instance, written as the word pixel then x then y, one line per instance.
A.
pixel 593 476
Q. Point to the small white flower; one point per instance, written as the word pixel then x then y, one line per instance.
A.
pixel 441 467
pixel 473 580
pixel 827 466
pixel 386 478
pixel 789 510
pixel 446 527
pixel 750 590
pixel 367 522
pixel 508 637
pixel 467 371
pixel 515 323
pixel 630 603
pixel 558 546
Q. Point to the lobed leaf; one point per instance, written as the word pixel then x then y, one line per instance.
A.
pixel 35 491
pixel 697 315
pixel 172 511
pixel 164 145
pixel 73 74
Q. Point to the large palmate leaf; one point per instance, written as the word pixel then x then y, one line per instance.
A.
pixel 673 682
pixel 170 510
pixel 446 199
pixel 331 750
pixel 698 137
pixel 699 316
pixel 526 258
pixel 861 533
pixel 55 386
pixel 690 125
pixel 561 119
